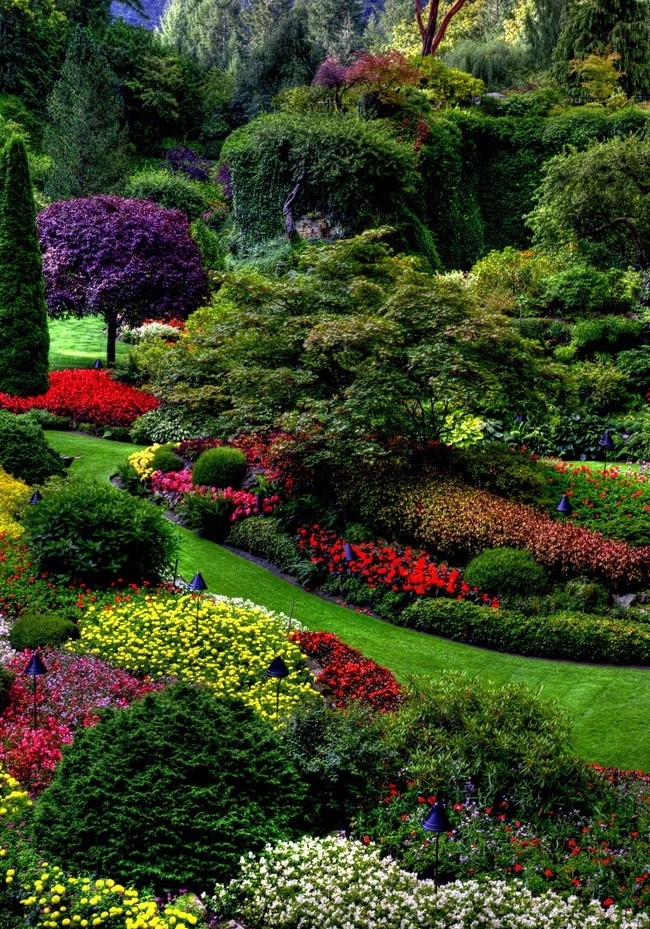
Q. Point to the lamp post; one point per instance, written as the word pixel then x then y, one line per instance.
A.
pixel 278 670
pixel 35 669
pixel 436 822
pixel 196 586
pixel 564 506
pixel 98 365
pixel 35 498
pixel 607 444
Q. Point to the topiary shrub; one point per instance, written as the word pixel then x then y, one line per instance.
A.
pixel 37 630
pixel 170 792
pixel 24 450
pixel 263 536
pixel 82 531
pixel 220 467
pixel 165 459
pixel 504 571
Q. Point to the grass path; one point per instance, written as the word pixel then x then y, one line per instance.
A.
pixel 609 707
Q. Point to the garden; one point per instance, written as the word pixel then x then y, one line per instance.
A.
pixel 324 465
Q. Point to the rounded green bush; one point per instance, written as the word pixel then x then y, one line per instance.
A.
pixel 220 467
pixel 169 792
pixel 39 630
pixel 83 531
pixel 506 571
pixel 165 459
pixel 24 451
pixel 170 190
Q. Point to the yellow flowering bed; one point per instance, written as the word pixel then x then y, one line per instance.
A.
pixel 54 899
pixel 141 461
pixel 14 493
pixel 223 644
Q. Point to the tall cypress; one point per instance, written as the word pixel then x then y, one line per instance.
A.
pixel 24 337
pixel 86 133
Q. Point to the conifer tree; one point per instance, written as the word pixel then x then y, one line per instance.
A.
pixel 86 135
pixel 24 337
pixel 206 30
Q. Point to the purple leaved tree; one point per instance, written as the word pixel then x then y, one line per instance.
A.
pixel 125 260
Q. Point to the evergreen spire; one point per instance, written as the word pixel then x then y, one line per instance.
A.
pixel 24 337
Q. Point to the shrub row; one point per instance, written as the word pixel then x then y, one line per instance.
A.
pixel 567 635
pixel 263 536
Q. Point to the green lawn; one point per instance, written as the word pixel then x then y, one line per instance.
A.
pixel 77 343
pixel 609 707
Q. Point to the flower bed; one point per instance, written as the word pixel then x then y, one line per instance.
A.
pixel 220 643
pixel 14 494
pixel 86 396
pixel 406 570
pixel 174 485
pixel 68 696
pixel 347 674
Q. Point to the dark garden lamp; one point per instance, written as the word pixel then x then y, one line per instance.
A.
pixel 564 506
pixel 436 822
pixel 347 552
pixel 98 365
pixel 196 586
pixel 607 444
pixel 520 419
pixel 35 669
pixel 278 670
pixel 35 498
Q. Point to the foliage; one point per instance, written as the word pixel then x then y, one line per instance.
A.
pixel 292 882
pixel 506 571
pixel 173 191
pixel 494 61
pixel 599 78
pixel 571 636
pixel 86 396
pixel 169 425
pixel 69 696
pixel 14 494
pixel 347 674
pixel 208 771
pixel 220 467
pixel 125 260
pixel 24 450
pixel 83 531
pixel 85 135
pixel 207 514
pixel 263 537
pixel 165 459
pixel 225 645
pixel 24 338
pixel 36 630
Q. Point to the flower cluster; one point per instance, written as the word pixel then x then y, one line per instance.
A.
pixel 69 695
pixel 141 461
pixel 86 396
pixel 223 644
pixel 334 882
pixel 406 570
pixel 52 899
pixel 347 674
pixel 14 493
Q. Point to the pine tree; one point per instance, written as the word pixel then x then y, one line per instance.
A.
pixel 603 27
pixel 205 30
pixel 86 135
pixel 24 337
pixel 336 26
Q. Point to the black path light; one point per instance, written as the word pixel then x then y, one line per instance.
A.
pixel 35 498
pixel 564 506
pixel 98 365
pixel 35 669
pixel 607 444
pixel 278 670
pixel 196 586
pixel 436 822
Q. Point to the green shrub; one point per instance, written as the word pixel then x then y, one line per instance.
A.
pixel 505 570
pixel 39 630
pixel 174 191
pixel 206 515
pixel 24 450
pixel 220 467
pixel 130 480
pixel 177 770
pixel 169 424
pixel 568 635
pixel 166 459
pixel 82 531
pixel 263 536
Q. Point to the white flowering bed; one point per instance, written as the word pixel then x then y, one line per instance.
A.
pixel 336 883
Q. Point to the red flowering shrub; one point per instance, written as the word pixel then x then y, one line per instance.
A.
pixel 347 674
pixel 69 695
pixel 173 486
pixel 87 396
pixel 406 570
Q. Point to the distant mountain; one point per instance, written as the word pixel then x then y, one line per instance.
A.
pixel 154 10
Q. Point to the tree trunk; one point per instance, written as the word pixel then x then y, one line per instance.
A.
pixel 287 208
pixel 111 337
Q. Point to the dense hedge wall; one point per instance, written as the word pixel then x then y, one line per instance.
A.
pixel 567 635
